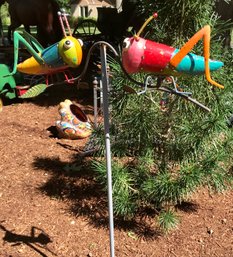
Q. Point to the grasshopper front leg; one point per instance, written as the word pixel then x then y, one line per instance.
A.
pixel 205 34
pixel 18 38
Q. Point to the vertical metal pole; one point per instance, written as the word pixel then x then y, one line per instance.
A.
pixel 95 85
pixel 107 143
pixel 101 94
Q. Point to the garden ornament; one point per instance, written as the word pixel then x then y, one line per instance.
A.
pixel 74 123
pixel 141 55
pixel 55 58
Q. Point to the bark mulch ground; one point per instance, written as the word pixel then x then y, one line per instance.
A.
pixel 50 207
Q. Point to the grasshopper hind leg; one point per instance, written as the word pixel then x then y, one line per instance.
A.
pixel 205 34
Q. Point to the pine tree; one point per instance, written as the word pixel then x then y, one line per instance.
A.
pixel 164 155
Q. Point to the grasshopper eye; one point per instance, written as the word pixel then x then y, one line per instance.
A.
pixel 126 44
pixel 68 44
pixel 80 42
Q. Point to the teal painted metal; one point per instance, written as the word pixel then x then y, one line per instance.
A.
pixel 195 64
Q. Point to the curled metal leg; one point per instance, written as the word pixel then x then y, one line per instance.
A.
pixel 178 89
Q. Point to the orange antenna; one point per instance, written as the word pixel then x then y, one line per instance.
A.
pixel 154 16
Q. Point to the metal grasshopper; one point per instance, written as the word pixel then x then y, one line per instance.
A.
pixel 45 61
pixel 141 55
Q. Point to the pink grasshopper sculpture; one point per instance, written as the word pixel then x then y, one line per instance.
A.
pixel 141 55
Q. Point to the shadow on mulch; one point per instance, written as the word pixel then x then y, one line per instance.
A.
pixel 37 238
pixel 56 94
pixel 76 183
pixel 188 207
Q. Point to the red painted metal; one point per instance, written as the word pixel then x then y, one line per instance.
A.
pixel 156 57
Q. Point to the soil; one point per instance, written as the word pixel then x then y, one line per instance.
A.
pixel 49 206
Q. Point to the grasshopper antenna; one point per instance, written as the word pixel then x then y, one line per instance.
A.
pixel 63 19
pixel 154 16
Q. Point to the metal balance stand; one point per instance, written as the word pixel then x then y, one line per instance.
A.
pixel 105 91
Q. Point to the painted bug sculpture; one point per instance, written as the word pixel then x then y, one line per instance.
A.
pixel 141 55
pixel 57 57
pixel 38 69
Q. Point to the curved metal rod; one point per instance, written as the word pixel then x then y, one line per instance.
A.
pixel 156 86
pixel 87 62
pixel 89 56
